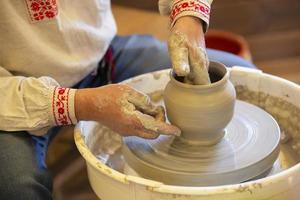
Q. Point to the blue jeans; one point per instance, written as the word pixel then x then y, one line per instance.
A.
pixel 22 168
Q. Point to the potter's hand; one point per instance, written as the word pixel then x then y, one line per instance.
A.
pixel 187 50
pixel 124 110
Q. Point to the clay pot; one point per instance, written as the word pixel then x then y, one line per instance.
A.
pixel 201 111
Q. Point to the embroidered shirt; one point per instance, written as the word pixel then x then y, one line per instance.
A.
pixel 46 47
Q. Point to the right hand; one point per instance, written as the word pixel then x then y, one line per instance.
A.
pixel 124 110
pixel 186 46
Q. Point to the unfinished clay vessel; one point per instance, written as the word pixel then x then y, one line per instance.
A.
pixel 201 111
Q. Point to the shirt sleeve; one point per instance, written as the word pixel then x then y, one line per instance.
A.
pixel 34 104
pixel 179 8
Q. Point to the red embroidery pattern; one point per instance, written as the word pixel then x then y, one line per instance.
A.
pixel 40 10
pixel 60 106
pixel 190 5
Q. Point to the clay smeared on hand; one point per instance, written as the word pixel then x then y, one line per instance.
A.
pixel 124 110
pixel 188 60
pixel 150 117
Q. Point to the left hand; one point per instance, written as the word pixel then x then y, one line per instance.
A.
pixel 123 110
pixel 187 50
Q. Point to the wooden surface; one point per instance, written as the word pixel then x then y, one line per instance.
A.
pixel 271 27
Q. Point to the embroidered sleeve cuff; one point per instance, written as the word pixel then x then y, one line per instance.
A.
pixel 196 8
pixel 63 110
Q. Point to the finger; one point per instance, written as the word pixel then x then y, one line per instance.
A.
pixel 179 60
pixel 159 127
pixel 132 126
pixel 199 65
pixel 143 103
pixel 178 52
pixel 167 129
pixel 147 134
pixel 137 128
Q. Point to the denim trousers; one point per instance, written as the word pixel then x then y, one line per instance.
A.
pixel 22 167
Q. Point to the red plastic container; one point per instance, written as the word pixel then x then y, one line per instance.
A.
pixel 229 42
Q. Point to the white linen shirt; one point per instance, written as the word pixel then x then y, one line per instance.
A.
pixel 46 47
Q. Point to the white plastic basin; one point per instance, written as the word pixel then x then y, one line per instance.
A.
pixel 279 97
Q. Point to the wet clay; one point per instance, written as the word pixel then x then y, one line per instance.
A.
pixel 201 111
pixel 174 161
pixel 206 153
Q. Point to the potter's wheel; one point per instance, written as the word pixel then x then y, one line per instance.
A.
pixel 249 149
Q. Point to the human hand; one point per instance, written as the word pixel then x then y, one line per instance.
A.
pixel 187 50
pixel 124 110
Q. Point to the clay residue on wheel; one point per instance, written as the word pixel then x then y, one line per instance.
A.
pixel 288 117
